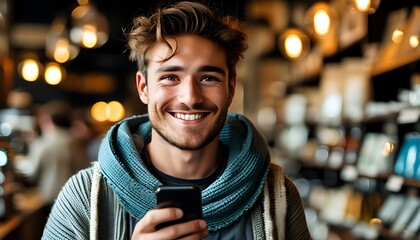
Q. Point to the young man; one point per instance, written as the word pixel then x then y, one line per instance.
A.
pixel 186 58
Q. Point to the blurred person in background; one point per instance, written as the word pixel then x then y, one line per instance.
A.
pixel 87 133
pixel 56 154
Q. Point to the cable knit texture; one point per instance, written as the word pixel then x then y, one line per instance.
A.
pixel 233 193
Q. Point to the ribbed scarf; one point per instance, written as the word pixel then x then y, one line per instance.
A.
pixel 224 201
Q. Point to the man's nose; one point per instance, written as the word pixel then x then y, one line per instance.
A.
pixel 190 92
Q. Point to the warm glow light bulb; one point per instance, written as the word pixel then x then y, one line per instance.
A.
pixel 89 26
pixel 61 51
pixel 53 74
pixel 112 111
pixel 293 45
pixel 397 36
pixel 98 111
pixel 362 5
pixel 81 11
pixel 322 22
pixel 116 111
pixel 366 6
pixel 30 70
pixel 414 41
pixel 89 37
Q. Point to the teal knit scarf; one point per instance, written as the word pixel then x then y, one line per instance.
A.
pixel 224 201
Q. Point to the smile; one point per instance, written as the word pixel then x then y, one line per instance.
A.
pixel 188 117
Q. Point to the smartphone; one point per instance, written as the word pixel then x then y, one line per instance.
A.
pixel 187 198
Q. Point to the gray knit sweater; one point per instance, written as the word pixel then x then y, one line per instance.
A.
pixel 71 216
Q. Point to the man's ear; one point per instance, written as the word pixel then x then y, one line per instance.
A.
pixel 141 83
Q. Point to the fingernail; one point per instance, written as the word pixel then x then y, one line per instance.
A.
pixel 178 213
pixel 203 224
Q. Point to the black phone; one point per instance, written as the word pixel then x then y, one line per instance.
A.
pixel 187 198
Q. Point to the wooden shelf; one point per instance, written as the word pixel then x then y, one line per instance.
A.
pixel 398 62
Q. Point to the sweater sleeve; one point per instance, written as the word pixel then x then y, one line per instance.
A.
pixel 296 225
pixel 69 217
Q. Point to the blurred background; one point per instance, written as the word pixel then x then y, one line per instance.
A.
pixel 86 39
pixel 334 86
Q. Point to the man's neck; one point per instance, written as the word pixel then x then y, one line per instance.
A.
pixel 186 164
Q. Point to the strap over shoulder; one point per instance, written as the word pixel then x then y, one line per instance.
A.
pixel 275 207
pixel 96 179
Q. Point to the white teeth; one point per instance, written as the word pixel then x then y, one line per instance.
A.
pixel 188 117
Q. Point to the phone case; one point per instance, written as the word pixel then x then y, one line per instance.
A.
pixel 187 198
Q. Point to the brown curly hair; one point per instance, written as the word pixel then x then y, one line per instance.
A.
pixel 185 18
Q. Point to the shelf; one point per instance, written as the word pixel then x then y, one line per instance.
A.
pixel 412 183
pixel 407 182
pixel 395 63
pixel 346 232
pixel 387 234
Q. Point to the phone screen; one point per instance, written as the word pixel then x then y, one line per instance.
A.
pixel 187 198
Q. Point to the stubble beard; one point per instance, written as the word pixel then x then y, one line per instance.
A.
pixel 194 142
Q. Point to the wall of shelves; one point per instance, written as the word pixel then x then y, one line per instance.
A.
pixel 327 165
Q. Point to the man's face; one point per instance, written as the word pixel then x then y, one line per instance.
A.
pixel 188 95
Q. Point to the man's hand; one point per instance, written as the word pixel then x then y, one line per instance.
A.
pixel 146 228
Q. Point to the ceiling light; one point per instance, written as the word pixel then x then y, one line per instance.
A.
pixel 320 20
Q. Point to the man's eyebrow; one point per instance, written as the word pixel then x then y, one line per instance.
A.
pixel 171 68
pixel 212 69
pixel 175 68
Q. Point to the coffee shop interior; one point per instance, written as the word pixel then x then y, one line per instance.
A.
pixel 333 85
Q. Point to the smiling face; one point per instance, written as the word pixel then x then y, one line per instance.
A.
pixel 188 95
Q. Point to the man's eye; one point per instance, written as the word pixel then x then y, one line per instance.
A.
pixel 169 78
pixel 209 79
